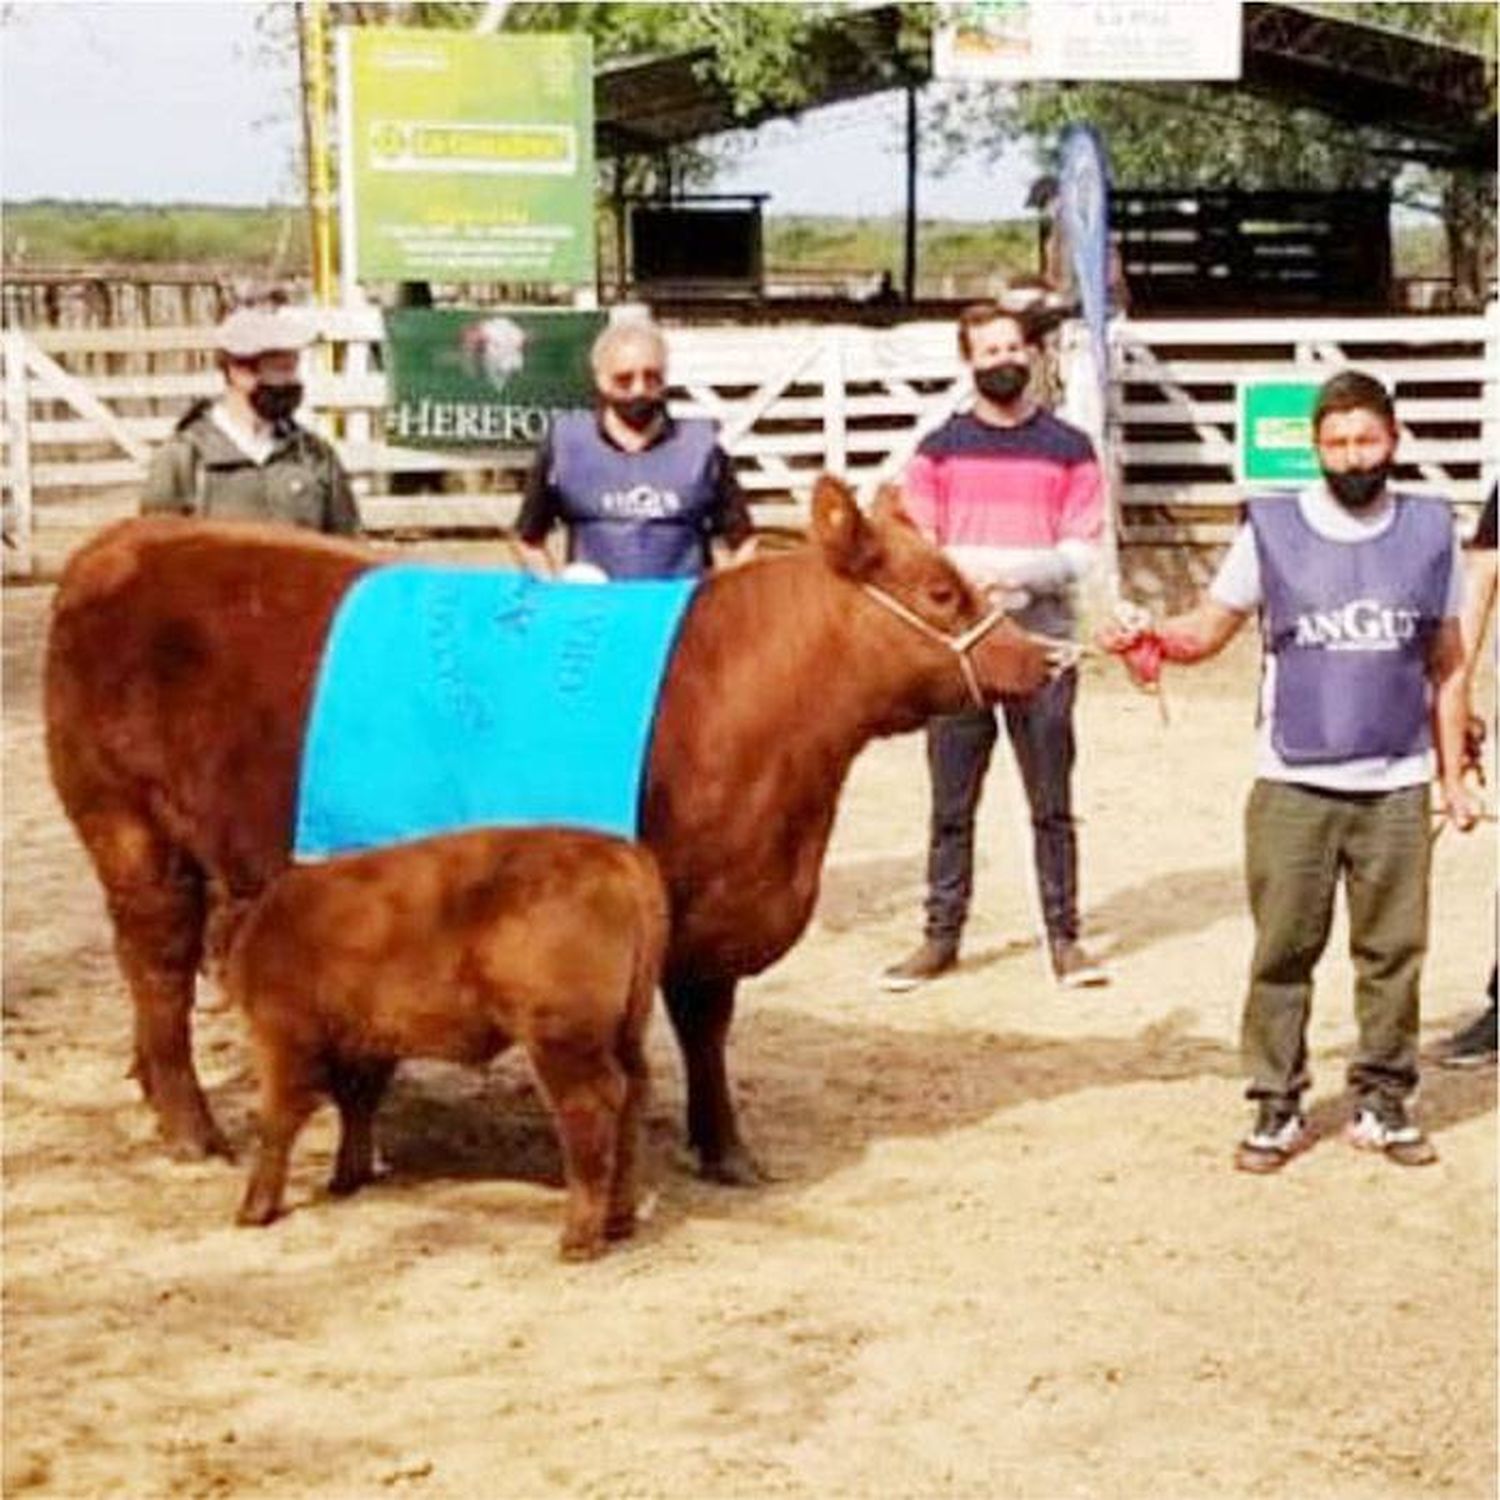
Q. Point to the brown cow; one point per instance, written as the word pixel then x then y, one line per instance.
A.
pixel 179 672
pixel 454 947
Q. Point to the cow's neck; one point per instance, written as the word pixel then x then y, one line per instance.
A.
pixel 805 665
pixel 781 676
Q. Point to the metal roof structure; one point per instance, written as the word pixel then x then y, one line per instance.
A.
pixel 1433 97
pixel 647 105
pixel 1438 97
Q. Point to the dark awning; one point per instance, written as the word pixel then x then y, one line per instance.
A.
pixel 644 105
pixel 1436 97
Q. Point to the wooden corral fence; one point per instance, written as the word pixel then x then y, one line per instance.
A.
pixel 83 408
pixel 1174 408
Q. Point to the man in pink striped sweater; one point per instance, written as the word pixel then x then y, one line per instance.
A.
pixel 1015 497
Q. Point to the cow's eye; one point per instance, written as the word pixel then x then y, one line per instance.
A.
pixel 944 594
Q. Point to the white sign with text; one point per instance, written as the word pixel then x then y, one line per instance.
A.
pixel 1019 41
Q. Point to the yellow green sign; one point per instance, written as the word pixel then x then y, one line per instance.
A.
pixel 1275 430
pixel 467 158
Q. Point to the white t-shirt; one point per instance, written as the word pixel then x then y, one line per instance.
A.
pixel 1237 586
pixel 257 446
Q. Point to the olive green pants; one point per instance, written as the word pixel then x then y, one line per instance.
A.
pixel 1299 841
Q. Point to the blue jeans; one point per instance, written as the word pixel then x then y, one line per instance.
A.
pixel 959 748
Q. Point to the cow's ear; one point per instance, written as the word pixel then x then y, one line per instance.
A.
pixel 849 543
pixel 889 506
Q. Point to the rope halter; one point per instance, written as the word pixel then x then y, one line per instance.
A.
pixel 1060 654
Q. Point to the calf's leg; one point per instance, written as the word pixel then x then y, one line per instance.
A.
pixel 154 891
pixel 624 1192
pixel 701 1012
pixel 586 1087
pixel 357 1088
pixel 289 1092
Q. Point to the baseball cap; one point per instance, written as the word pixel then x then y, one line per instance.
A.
pixel 251 331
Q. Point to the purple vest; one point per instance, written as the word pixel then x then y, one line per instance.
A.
pixel 1349 624
pixel 636 515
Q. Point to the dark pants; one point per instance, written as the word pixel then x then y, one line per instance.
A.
pixel 958 754
pixel 1299 843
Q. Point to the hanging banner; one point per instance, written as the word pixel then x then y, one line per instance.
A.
pixel 466 158
pixel 1083 217
pixel 491 378
pixel 1018 41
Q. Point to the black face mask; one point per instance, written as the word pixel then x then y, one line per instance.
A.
pixel 1002 383
pixel 637 412
pixel 276 403
pixel 1358 488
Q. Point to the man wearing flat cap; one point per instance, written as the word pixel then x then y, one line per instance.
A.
pixel 244 457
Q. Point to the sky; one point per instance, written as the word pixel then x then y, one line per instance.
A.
pixel 149 101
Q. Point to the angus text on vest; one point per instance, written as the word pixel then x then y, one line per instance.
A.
pixel 1360 625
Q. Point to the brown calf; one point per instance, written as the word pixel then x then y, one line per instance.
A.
pixel 454 947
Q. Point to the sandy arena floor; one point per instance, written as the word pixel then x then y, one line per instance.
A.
pixel 1004 1254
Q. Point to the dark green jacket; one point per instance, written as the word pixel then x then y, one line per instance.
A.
pixel 198 471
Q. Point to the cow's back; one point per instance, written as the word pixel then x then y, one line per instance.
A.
pixel 180 662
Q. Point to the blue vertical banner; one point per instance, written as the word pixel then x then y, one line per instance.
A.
pixel 1083 215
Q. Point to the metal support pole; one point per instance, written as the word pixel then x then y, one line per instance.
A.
pixel 312 51
pixel 909 272
pixel 618 214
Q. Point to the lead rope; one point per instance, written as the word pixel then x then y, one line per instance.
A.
pixel 960 644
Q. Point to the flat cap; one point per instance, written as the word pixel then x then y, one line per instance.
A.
pixel 250 331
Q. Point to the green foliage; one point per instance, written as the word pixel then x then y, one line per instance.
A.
pixel 755 50
pixel 272 240
pixel 252 239
pixel 1209 135
pixel 1219 135
pixel 1465 23
pixel 869 245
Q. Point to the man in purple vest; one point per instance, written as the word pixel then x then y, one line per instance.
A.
pixel 641 494
pixel 1358 588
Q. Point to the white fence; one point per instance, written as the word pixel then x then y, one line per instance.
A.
pixel 82 409
pixel 1175 414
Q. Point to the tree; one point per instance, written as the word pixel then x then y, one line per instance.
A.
pixel 1209 135
pixel 756 52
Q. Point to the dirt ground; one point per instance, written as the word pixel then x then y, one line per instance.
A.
pixel 1004 1253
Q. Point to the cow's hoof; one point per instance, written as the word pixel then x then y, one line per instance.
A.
pixel 734 1168
pixel 343 1184
pixel 197 1143
pixel 620 1226
pixel 581 1247
pixel 255 1215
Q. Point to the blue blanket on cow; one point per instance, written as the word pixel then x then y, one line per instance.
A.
pixel 453 698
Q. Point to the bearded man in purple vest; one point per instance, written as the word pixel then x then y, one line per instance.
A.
pixel 1358 588
pixel 641 494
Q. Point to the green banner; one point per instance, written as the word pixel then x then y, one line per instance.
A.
pixel 486 377
pixel 1275 431
pixel 467 158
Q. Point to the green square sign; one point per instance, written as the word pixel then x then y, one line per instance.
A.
pixel 467 158
pixel 1275 431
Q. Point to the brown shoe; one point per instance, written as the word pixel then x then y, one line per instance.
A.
pixel 1075 968
pixel 932 957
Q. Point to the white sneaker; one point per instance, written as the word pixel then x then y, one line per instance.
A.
pixel 1397 1137
pixel 1275 1140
